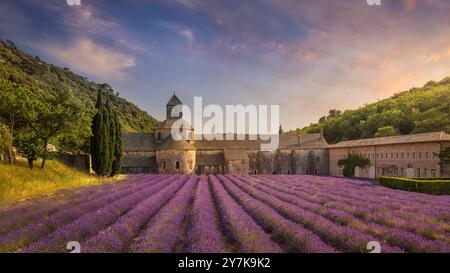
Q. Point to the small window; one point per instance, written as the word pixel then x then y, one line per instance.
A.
pixel 177 165
pixel 426 155
pixel 420 155
pixel 164 165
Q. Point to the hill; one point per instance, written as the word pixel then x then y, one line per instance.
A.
pixel 417 110
pixel 22 68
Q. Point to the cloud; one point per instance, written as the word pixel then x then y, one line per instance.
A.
pixel 432 57
pixel 86 56
pixel 181 30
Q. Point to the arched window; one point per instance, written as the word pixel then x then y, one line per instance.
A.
pixel 164 165
pixel 158 136
pixel 177 165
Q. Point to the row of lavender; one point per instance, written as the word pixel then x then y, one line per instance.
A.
pixel 173 213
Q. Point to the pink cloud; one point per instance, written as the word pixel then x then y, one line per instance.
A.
pixel 432 57
pixel 86 56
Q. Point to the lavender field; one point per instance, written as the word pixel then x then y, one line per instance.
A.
pixel 230 213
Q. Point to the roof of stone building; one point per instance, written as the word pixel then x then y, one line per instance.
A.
pixel 146 141
pixel 167 124
pixel 136 161
pixel 209 159
pixel 225 144
pixel 138 141
pixel 235 155
pixel 174 100
pixel 413 138
pixel 286 141
pixel 171 144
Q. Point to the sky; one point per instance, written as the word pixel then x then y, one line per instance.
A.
pixel 308 56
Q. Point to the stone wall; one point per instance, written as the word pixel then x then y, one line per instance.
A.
pixel 237 167
pixel 79 162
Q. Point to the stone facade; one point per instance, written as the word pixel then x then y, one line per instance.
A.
pixel 403 156
pixel 158 152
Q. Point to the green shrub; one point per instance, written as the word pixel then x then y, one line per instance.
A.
pixel 438 186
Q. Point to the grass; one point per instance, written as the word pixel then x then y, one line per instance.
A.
pixel 18 183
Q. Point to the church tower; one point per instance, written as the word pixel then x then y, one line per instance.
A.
pixel 175 156
pixel 173 108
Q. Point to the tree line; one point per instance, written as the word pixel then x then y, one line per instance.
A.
pixel 418 110
pixel 36 123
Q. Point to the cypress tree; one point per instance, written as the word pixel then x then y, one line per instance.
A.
pixel 111 137
pixel 105 152
pixel 96 143
pixel 106 141
pixel 118 147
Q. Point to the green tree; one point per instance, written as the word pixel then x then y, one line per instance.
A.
pixel 29 146
pixel 13 106
pixel 334 113
pixel 280 130
pixel 5 140
pixel 386 131
pixel 97 138
pixel 351 162
pixel 61 114
pixel 118 148
pixel 112 136
pixel 444 156
pixel 100 140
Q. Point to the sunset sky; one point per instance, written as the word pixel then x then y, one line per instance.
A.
pixel 307 56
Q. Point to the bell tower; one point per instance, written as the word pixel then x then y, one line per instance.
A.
pixel 173 108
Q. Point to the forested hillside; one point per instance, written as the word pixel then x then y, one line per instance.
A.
pixel 23 69
pixel 417 110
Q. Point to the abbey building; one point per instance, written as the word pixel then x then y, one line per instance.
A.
pixel 412 155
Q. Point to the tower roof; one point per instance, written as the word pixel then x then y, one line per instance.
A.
pixel 174 100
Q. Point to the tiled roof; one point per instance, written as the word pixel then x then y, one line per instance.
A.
pixel 286 141
pixel 413 138
pixel 146 142
pixel 138 141
pixel 167 124
pixel 174 100
pixel 171 144
pixel 137 161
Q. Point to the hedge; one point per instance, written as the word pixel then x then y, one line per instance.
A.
pixel 430 186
